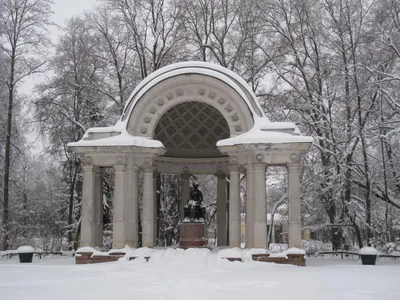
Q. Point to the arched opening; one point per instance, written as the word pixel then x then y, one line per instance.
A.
pixel 192 130
pixel 189 130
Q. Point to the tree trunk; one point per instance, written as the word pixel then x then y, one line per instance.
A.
pixel 7 158
pixel 71 202
pixel 77 235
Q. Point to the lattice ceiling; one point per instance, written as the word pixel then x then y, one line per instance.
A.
pixel 192 125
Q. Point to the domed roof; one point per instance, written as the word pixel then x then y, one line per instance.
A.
pixel 246 120
pixel 195 67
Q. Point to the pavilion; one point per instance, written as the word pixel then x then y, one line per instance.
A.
pixel 190 118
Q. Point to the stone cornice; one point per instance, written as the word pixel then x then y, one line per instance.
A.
pixel 199 161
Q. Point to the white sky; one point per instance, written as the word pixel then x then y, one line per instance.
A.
pixel 67 8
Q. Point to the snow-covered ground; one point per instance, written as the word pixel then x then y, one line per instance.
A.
pixel 197 274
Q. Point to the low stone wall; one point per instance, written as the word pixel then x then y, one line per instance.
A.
pixel 290 259
pixel 82 258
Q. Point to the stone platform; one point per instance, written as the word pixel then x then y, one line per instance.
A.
pixel 193 235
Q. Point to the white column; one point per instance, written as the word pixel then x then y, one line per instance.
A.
pixel 156 181
pixel 131 206
pixel 294 205
pixel 260 207
pixel 185 189
pixel 148 208
pixel 99 206
pixel 250 205
pixel 228 189
pixel 119 232
pixel 88 231
pixel 221 210
pixel 234 206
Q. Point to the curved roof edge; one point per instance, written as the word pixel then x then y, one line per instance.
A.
pixel 203 68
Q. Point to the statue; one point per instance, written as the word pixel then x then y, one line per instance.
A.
pixel 195 211
pixel 196 195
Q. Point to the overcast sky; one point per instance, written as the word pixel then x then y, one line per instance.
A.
pixel 67 8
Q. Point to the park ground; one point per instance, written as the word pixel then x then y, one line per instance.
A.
pixel 197 274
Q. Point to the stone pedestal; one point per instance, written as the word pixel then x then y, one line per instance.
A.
pixel 193 235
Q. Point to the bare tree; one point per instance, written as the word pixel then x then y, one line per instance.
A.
pixel 23 38
pixel 117 71
pixel 156 29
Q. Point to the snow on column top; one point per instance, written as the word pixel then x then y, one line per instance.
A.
pixel 86 249
pixel 122 138
pixel 25 249
pixel 368 251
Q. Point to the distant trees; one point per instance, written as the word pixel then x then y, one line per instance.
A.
pixel 327 48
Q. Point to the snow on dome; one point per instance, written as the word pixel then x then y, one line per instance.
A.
pixel 368 251
pixel 265 124
pixel 257 136
pixel 25 249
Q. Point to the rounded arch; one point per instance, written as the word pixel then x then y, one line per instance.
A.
pixel 161 97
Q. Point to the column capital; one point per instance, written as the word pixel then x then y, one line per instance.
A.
pixel 293 166
pixel 185 175
pixel 148 169
pixel 259 167
pixel 220 175
pixel 88 168
pixel 148 164
pixel 119 168
pixel 234 168
pixel 88 161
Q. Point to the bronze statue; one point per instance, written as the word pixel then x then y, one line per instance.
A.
pixel 195 211
pixel 196 195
